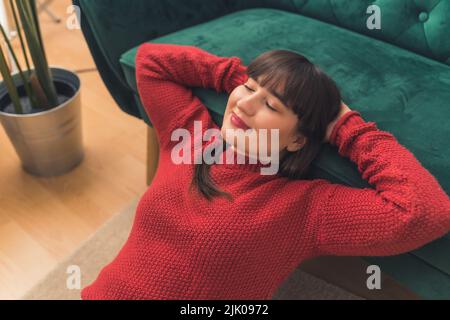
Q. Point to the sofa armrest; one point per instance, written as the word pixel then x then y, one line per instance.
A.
pixel 112 27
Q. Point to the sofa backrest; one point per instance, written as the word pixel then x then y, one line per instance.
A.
pixel 421 26
pixel 112 27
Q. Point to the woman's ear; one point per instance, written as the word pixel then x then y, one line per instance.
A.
pixel 296 144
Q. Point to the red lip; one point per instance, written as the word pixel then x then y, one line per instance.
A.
pixel 238 122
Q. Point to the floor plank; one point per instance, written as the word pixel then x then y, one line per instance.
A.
pixel 42 220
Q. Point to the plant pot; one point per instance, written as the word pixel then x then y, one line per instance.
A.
pixel 48 143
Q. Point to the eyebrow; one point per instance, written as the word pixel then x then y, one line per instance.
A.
pixel 276 94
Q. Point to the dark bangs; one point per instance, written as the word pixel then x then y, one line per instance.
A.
pixel 276 69
pixel 301 85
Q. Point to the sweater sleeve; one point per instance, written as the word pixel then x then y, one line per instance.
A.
pixel 406 209
pixel 165 73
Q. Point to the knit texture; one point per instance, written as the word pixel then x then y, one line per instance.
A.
pixel 182 246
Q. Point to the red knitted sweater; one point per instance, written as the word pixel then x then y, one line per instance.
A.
pixel 182 246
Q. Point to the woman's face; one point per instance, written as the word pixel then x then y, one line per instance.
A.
pixel 260 109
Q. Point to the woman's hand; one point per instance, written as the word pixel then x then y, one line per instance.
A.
pixel 344 110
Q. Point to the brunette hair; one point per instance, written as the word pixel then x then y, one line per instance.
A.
pixel 311 94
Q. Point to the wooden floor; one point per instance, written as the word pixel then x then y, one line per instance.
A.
pixel 42 220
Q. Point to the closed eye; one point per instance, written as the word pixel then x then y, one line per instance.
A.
pixel 267 104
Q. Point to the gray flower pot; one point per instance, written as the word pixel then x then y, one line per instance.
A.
pixel 48 143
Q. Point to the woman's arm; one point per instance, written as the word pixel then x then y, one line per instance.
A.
pixel 164 73
pixel 406 209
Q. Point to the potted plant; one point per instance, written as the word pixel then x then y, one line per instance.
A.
pixel 40 107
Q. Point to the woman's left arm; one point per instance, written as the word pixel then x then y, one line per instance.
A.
pixel 165 74
pixel 406 209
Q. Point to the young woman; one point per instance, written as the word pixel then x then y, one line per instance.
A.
pixel 226 231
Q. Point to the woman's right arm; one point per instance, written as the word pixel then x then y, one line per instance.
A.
pixel 406 209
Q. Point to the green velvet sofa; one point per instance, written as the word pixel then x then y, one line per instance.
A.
pixel 397 76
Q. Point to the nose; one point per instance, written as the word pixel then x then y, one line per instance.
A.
pixel 248 104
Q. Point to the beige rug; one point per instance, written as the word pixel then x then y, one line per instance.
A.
pixel 104 245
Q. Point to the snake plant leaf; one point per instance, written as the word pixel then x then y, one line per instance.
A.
pixel 32 96
pixel 10 85
pixel 24 79
pixel 36 52
pixel 18 28
pixel 36 22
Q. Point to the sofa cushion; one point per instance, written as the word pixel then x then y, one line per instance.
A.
pixel 404 93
